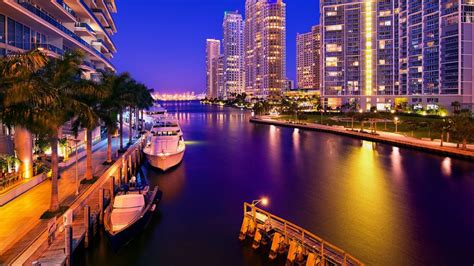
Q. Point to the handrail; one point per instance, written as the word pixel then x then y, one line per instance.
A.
pixel 83 198
pixel 336 251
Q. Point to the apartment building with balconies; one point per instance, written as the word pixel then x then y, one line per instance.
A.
pixel 382 53
pixel 56 26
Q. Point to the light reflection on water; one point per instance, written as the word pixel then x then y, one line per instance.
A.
pixel 383 204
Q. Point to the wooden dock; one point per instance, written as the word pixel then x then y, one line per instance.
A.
pixel 299 245
pixel 81 221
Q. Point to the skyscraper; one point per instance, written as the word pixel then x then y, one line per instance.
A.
pixel 382 53
pixel 308 59
pixel 233 51
pixel 221 78
pixel 265 48
pixel 213 50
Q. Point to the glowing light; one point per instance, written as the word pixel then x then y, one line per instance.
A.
pixel 264 201
pixel 368 21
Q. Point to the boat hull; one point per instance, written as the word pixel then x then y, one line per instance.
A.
pixel 122 238
pixel 165 162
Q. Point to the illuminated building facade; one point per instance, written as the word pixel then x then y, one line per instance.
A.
pixel 308 59
pixel 265 48
pixel 221 75
pixel 55 27
pixel 381 53
pixel 233 51
pixel 213 50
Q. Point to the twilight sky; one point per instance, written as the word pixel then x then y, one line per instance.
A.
pixel 162 42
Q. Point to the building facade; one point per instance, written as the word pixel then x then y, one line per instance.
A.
pixel 221 78
pixel 233 51
pixel 265 48
pixel 382 53
pixel 213 50
pixel 55 27
pixel 308 59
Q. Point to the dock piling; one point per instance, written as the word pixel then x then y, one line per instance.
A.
pixel 101 206
pixel 87 223
pixel 68 244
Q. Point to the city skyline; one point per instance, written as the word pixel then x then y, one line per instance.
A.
pixel 179 52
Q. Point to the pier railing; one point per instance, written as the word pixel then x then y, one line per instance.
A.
pixel 307 241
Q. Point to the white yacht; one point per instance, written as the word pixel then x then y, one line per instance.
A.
pixel 165 144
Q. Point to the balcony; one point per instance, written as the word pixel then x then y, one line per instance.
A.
pixel 83 29
pixel 66 7
pixel 49 48
pixel 33 9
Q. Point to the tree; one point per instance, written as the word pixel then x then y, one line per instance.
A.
pixel 90 94
pixel 463 128
pixel 20 94
pixel 456 107
pixel 62 78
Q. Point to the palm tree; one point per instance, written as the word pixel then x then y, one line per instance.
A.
pixel 62 77
pixel 112 106
pixel 89 94
pixel 18 93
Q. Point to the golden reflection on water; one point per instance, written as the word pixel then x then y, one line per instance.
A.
pixel 368 203
pixel 446 167
pixel 397 167
pixel 296 140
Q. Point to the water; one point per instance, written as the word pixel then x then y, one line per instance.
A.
pixel 384 205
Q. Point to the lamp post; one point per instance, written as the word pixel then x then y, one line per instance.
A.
pixel 76 141
pixel 396 124
pixel 264 201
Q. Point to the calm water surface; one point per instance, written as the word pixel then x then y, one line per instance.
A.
pixel 384 205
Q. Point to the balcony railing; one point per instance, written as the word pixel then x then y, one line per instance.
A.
pixel 66 7
pixel 84 25
pixel 38 12
pixel 48 47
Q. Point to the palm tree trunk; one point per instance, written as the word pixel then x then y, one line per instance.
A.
pixel 442 139
pixel 121 129
pixel 109 145
pixel 54 203
pixel 130 133
pixel 89 155
pixel 143 121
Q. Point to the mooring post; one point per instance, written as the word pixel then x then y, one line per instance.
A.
pixel 87 223
pixel 112 188
pixel 101 206
pixel 68 244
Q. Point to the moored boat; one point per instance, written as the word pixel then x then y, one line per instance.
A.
pixel 129 214
pixel 165 144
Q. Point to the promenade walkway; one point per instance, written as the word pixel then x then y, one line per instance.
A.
pixel 19 219
pixel 385 137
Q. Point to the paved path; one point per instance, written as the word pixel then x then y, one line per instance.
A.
pixel 21 215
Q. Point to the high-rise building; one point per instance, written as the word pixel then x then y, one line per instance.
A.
pixel 221 77
pixel 55 27
pixel 59 26
pixel 233 51
pixel 382 53
pixel 213 50
pixel 265 48
pixel 308 59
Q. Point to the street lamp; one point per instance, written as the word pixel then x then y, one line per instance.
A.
pixel 77 174
pixel 263 201
pixel 396 124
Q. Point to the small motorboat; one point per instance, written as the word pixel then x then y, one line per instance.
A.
pixel 129 214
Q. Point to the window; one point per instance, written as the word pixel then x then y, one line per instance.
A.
pixel 2 29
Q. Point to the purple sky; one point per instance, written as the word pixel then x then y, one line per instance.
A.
pixel 162 42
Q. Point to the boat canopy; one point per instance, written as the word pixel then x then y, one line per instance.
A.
pixel 129 201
